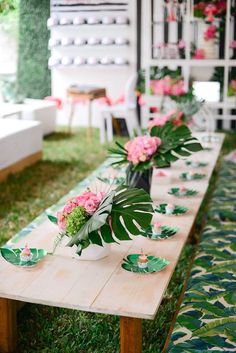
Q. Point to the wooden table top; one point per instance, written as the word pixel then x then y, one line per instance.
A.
pixel 103 286
pixel 86 92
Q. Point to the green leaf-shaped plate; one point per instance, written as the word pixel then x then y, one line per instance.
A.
pixel 166 232
pixel 177 210
pixel 195 164
pixel 13 256
pixel 195 176
pixel 188 192
pixel 113 181
pixel 155 264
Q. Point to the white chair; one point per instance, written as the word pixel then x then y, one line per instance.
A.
pixel 126 110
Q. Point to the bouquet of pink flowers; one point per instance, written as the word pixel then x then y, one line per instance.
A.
pixel 232 88
pixel 99 218
pixel 142 148
pixel 210 9
pixel 168 86
pixel 176 117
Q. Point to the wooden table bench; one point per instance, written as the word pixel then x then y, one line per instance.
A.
pixel 103 286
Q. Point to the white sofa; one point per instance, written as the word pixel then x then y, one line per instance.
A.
pixel 20 145
pixel 33 109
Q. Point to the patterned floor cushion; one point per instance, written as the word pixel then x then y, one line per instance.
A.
pixel 222 211
pixel 206 321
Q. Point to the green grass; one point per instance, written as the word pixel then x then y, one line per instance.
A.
pixel 42 329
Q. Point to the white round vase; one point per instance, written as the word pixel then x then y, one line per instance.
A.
pixel 92 253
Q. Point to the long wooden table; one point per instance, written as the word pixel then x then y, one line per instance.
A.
pixel 103 286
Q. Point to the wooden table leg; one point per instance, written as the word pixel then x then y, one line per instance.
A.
pixel 8 326
pixel 89 129
pixel 72 111
pixel 130 335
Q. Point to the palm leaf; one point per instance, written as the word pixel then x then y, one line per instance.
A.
pixel 129 211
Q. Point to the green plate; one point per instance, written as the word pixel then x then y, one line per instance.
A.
pixel 177 210
pixel 194 164
pixel 155 264
pixel 196 176
pixel 13 256
pixel 189 192
pixel 166 232
pixel 113 181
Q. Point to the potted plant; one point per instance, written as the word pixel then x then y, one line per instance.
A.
pixel 90 222
pixel 160 147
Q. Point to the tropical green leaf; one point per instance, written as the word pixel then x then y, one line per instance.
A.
pixel 121 215
pixel 53 219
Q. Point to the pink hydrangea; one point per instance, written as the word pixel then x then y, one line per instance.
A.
pixel 168 86
pixel 141 148
pixel 89 200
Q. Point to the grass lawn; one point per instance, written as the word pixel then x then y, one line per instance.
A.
pixel 67 160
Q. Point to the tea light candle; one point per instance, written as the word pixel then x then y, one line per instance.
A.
pixel 93 41
pixel 53 61
pixel 107 41
pixel 121 41
pixel 121 20
pixel 65 21
pixel 170 208
pixel 66 41
pixel 120 61
pixel 26 255
pixel 92 61
pixel 53 42
pixel 52 21
pixel 106 61
pixel 142 260
pixel 66 61
pixel 108 20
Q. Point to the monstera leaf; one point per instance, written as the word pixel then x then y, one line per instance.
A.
pixel 177 142
pixel 121 215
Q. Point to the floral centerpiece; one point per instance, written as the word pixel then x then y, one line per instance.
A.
pixel 98 219
pixel 163 145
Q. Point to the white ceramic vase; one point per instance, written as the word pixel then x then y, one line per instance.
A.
pixel 92 253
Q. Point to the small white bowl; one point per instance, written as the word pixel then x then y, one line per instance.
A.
pixel 107 41
pixel 79 20
pixel 122 20
pixel 94 41
pixel 92 61
pixel 121 41
pixel 53 42
pixel 66 61
pixel 106 61
pixel 121 61
pixel 67 41
pixel 65 21
pixel 108 20
pixel 80 41
pixel 93 20
pixel 52 21
pixel 78 61
pixel 53 61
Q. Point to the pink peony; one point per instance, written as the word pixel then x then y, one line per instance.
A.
pixel 233 44
pixel 199 54
pixel 141 148
pixel 181 44
pixel 61 220
pixel 210 32
pixel 210 11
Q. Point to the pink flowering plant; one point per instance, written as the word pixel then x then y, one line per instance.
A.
pixel 164 144
pixel 232 88
pixel 98 218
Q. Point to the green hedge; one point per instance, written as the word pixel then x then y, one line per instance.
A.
pixel 34 78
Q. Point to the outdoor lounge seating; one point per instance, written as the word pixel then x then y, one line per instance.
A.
pixel 22 145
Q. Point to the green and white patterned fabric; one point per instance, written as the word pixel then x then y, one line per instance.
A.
pixel 206 321
pixel 207 318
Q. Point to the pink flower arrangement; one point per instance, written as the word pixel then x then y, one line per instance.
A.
pixel 210 10
pixel 210 32
pixel 168 86
pixel 199 54
pixel 88 200
pixel 181 44
pixel 141 148
pixel 233 44
pixel 161 120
